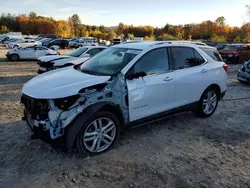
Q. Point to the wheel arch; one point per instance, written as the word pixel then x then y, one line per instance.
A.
pixel 216 86
pixel 72 130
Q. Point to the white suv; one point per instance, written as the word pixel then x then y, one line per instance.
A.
pixel 124 85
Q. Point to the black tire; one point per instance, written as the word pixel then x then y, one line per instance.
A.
pixel 200 112
pixel 14 57
pixel 81 147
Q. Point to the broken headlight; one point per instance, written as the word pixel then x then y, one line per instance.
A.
pixel 65 103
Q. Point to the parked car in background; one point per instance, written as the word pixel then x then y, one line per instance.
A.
pixel 62 43
pixel 84 41
pixel 75 57
pixel 53 36
pixel 244 72
pixel 30 53
pixel 9 40
pixel 125 85
pixel 220 46
pixel 236 53
pixel 24 43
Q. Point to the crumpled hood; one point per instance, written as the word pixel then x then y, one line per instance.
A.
pixel 60 83
pixel 52 58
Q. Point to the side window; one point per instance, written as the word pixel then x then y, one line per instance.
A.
pixel 185 57
pixel 153 62
pixel 93 52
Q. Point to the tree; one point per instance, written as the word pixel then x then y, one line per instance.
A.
pixel 218 38
pixel 120 29
pixel 75 22
pixel 220 21
pixel 3 29
pixel 32 15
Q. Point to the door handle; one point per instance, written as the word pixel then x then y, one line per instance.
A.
pixel 204 70
pixel 167 79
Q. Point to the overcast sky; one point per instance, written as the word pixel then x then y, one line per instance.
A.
pixel 136 12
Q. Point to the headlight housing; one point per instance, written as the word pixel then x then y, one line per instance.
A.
pixel 230 55
pixel 65 103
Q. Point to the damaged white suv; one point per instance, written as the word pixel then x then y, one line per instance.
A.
pixel 127 84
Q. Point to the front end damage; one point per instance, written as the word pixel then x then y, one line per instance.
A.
pixel 53 116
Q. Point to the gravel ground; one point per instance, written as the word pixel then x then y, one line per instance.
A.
pixel 182 151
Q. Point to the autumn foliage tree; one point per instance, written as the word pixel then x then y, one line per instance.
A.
pixel 215 31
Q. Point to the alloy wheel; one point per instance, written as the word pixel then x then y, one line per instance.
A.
pixel 209 102
pixel 99 135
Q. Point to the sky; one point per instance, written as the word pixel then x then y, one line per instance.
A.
pixel 136 12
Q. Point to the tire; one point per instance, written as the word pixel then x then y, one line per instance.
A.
pixel 90 144
pixel 14 57
pixel 206 109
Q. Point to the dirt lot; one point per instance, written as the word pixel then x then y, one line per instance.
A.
pixel 182 151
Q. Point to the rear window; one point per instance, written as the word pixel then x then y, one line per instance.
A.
pixel 212 53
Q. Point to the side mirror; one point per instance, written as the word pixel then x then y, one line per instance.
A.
pixel 131 75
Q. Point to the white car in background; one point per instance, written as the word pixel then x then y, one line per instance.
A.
pixel 75 57
pixel 24 43
pixel 30 53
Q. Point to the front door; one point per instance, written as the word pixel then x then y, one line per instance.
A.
pixel 153 93
pixel 27 53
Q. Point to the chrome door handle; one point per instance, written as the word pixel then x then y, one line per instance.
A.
pixel 168 79
pixel 204 70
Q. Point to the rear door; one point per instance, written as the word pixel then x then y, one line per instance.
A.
pixel 153 93
pixel 192 75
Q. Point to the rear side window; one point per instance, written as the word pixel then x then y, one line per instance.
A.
pixel 185 57
pixel 212 53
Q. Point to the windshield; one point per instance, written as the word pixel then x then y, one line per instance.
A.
pixel 109 61
pixel 231 47
pixel 77 52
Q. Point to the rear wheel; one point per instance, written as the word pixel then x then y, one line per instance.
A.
pixel 208 102
pixel 14 57
pixel 99 134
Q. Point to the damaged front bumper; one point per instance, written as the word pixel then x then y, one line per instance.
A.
pixel 56 120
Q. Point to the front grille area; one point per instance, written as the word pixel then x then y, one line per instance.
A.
pixel 37 108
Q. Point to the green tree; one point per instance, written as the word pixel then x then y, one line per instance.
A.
pixel 220 21
pixel 76 23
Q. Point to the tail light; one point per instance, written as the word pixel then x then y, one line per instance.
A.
pixel 225 67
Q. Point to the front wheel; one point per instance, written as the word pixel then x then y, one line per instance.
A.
pixel 99 134
pixel 208 103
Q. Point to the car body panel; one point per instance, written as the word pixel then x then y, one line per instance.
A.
pixel 150 95
pixel 60 83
